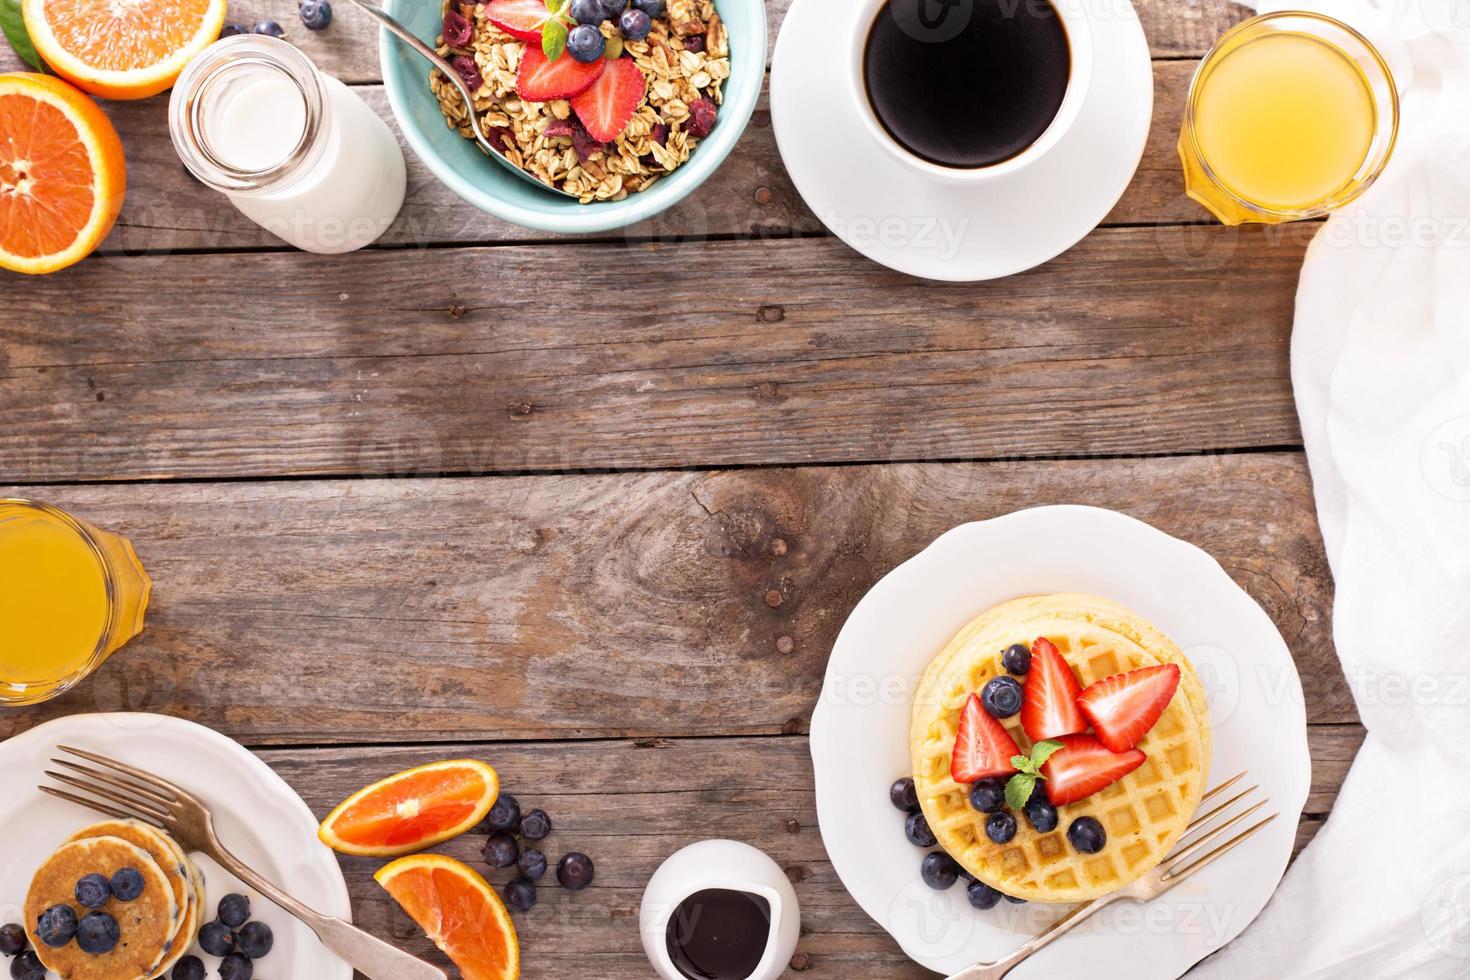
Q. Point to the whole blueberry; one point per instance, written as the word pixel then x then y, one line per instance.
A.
pixel 127 884
pixel 535 825
pixel 916 829
pixel 532 863
pixel 613 9
pixel 216 939
pixel 1002 696
pixel 505 814
pixel 904 795
pixel 230 30
pixel 254 940
pixel 93 891
pixel 316 15
pixel 586 44
pixel 939 870
pixel 1042 814
pixel 234 910
pixel 501 851
pixel 97 933
pixel 188 968
pixel 269 28
pixel 1016 659
pixel 27 967
pixel 988 795
pixel 588 12
pixel 236 967
pixel 574 871
pixel 57 925
pixel 650 7
pixel 520 895
pixel 1001 827
pixel 635 24
pixel 1087 835
pixel 982 896
pixel 1015 901
pixel 13 940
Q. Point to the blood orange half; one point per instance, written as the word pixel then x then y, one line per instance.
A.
pixel 62 175
pixel 459 911
pixel 412 810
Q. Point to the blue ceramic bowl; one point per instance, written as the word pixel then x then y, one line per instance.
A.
pixel 491 187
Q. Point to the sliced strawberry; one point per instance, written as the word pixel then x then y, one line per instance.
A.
pixel 522 18
pixel 1122 708
pixel 982 746
pixel 1082 766
pixel 541 80
pixel 1050 708
pixel 609 104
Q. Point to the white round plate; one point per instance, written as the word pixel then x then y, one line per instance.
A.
pixel 258 817
pixel 860 739
pixel 942 231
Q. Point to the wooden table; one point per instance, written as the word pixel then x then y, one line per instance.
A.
pixel 595 509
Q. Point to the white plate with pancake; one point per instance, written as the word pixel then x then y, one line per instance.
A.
pixel 860 737
pixel 258 816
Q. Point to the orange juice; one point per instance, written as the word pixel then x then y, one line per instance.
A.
pixel 1286 119
pixel 70 595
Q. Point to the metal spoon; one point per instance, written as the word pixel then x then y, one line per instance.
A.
pixel 451 73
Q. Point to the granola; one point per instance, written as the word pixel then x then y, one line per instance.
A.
pixel 684 60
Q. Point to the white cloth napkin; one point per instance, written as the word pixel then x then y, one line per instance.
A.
pixel 1381 365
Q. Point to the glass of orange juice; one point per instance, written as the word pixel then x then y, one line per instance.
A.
pixel 70 595
pixel 1291 115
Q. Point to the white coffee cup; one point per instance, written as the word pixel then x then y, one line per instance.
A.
pixel 1075 20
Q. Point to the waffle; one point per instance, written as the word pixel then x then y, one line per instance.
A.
pixel 1144 813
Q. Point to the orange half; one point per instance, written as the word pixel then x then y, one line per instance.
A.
pixel 62 174
pixel 412 810
pixel 459 911
pixel 122 49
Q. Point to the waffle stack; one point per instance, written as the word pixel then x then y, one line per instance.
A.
pixel 1144 813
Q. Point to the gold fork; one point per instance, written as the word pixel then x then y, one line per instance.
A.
pixel 132 794
pixel 1170 872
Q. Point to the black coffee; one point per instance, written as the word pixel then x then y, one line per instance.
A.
pixel 967 83
pixel 719 934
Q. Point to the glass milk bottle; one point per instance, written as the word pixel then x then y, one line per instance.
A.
pixel 298 152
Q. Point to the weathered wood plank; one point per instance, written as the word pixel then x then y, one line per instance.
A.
pixel 529 358
pixel 605 605
pixel 349 48
pixel 631 807
pixel 750 196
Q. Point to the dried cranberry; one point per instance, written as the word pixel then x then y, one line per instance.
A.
pixel 502 137
pixel 584 143
pixel 559 127
pixel 659 134
pixel 694 42
pixel 457 29
pixel 702 118
pixel 469 71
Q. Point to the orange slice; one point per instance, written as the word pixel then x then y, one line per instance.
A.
pixel 62 174
pixel 459 911
pixel 412 810
pixel 122 49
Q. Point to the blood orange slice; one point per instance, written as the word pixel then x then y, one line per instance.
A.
pixel 62 175
pixel 459 911
pixel 122 49
pixel 412 810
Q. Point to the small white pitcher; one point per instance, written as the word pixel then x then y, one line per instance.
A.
pixel 724 864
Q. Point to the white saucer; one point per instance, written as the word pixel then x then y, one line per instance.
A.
pixel 258 817
pixel 860 745
pixel 948 232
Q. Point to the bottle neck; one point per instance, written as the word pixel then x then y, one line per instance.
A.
pixel 250 115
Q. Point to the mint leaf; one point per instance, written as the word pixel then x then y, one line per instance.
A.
pixel 1018 790
pixel 1042 751
pixel 14 27
pixel 1021 763
pixel 553 39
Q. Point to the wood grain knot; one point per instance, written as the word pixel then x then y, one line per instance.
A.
pixel 770 314
pixel 521 409
pixel 763 195
pixel 785 644
pixel 773 598
pixel 801 962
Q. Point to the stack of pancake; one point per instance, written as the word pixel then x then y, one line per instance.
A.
pixel 157 928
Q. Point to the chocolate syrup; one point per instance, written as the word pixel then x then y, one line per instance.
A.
pixel 967 83
pixel 719 934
